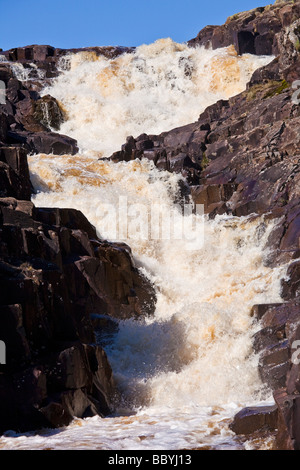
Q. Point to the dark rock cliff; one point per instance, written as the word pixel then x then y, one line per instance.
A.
pixel 59 283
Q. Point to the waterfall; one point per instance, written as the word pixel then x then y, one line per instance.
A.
pixel 192 363
pixel 154 89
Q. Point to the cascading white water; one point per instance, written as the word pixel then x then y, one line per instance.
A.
pixel 158 87
pixel 201 332
pixel 191 364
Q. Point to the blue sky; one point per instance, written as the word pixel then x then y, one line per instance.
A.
pixel 73 23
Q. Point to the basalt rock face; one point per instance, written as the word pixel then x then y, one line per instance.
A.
pixel 54 274
pixel 242 157
pixel 60 285
pixel 28 121
pixel 253 32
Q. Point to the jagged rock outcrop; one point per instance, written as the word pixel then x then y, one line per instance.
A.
pixel 59 283
pixel 254 32
pixel 242 157
pixel 28 120
pixel 55 273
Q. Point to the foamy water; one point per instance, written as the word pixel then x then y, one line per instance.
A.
pixel 158 87
pixel 204 428
pixel 185 371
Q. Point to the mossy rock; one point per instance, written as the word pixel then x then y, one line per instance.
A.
pixel 205 161
pixel 297 42
pixel 278 88
pixel 266 90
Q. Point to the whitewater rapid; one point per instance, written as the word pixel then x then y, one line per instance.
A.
pixel 185 371
pixel 154 89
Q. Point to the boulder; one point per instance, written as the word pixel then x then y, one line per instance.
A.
pixel 44 142
pixel 22 393
pixel 273 342
pixel 48 112
pixel 69 218
pixel 5 73
pixel 251 419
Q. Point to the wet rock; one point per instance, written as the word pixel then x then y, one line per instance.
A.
pixel 251 419
pixel 69 218
pixel 6 74
pixel 48 112
pixel 44 142
pixel 273 342
pixel 76 403
pixel 14 336
pixel 28 120
pixel 56 415
pixel 211 196
pixel 102 391
pixel 114 283
pixel 291 285
pixel 22 393
pixel 12 185
pixel 81 378
pixel 275 364
pixel 55 272
pixel 287 437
